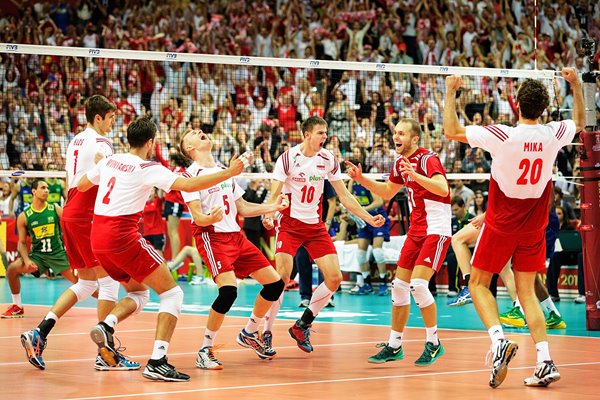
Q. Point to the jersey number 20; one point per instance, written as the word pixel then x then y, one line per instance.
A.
pixel 531 170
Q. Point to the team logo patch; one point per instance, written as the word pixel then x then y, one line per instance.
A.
pixel 320 166
pixel 298 179
pixel 214 190
pixel 279 244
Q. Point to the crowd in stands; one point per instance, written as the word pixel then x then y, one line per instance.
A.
pixel 260 108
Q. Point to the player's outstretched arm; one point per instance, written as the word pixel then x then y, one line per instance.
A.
pixel 452 128
pixel 571 76
pixel 350 202
pixel 236 166
pixel 247 209
pixel 386 190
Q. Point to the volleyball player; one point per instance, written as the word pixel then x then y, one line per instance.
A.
pixel 517 214
pixel 226 250
pixel 299 174
pixel 428 239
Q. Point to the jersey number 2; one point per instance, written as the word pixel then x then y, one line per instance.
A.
pixel 111 186
pixel 533 170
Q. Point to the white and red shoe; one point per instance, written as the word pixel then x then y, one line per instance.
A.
pixel 14 311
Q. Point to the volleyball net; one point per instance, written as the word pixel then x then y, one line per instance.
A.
pixel 247 103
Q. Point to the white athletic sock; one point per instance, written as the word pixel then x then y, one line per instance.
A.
pixel 543 352
pixel 496 333
pixel 382 277
pixel 366 274
pixel 548 305
pixel 51 315
pixel 16 299
pixel 395 340
pixel 209 338
pixel 320 297
pixel 253 324
pixel 111 320
pixel 160 349
pixel 272 314
pixel 432 335
pixel 360 280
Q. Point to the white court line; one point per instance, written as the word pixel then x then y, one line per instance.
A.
pixel 144 356
pixel 508 332
pixel 325 381
pixel 121 331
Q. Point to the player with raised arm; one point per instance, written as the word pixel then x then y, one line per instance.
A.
pixel 226 250
pixel 427 242
pixel 76 220
pixel 299 174
pixel 517 213
pixel 124 183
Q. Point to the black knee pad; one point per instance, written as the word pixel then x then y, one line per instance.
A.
pixel 272 291
pixel 223 302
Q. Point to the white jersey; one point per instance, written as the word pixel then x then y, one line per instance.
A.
pixel 523 156
pixel 223 195
pixel 522 159
pixel 81 158
pixel 81 154
pixel 125 182
pixel 302 179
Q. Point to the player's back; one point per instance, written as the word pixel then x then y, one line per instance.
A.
pixel 81 154
pixel 520 186
pixel 125 182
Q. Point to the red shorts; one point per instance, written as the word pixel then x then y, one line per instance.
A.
pixel 494 249
pixel 293 233
pixel 429 250
pixel 78 244
pixel 136 261
pixel 230 251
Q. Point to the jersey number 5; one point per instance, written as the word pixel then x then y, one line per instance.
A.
pixel 530 169
pixel 111 186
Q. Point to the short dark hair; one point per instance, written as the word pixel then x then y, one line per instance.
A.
pixel 532 98
pixel 458 200
pixel 36 183
pixel 310 122
pixel 140 131
pixel 98 105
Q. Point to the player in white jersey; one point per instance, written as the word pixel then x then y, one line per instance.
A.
pixel 517 214
pixel 226 250
pixel 77 225
pixel 124 182
pixel 299 173
pixel 427 241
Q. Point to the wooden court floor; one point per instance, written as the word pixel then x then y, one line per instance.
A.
pixel 337 369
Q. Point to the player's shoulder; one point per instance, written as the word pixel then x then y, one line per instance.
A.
pixel 499 131
pixel 147 164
